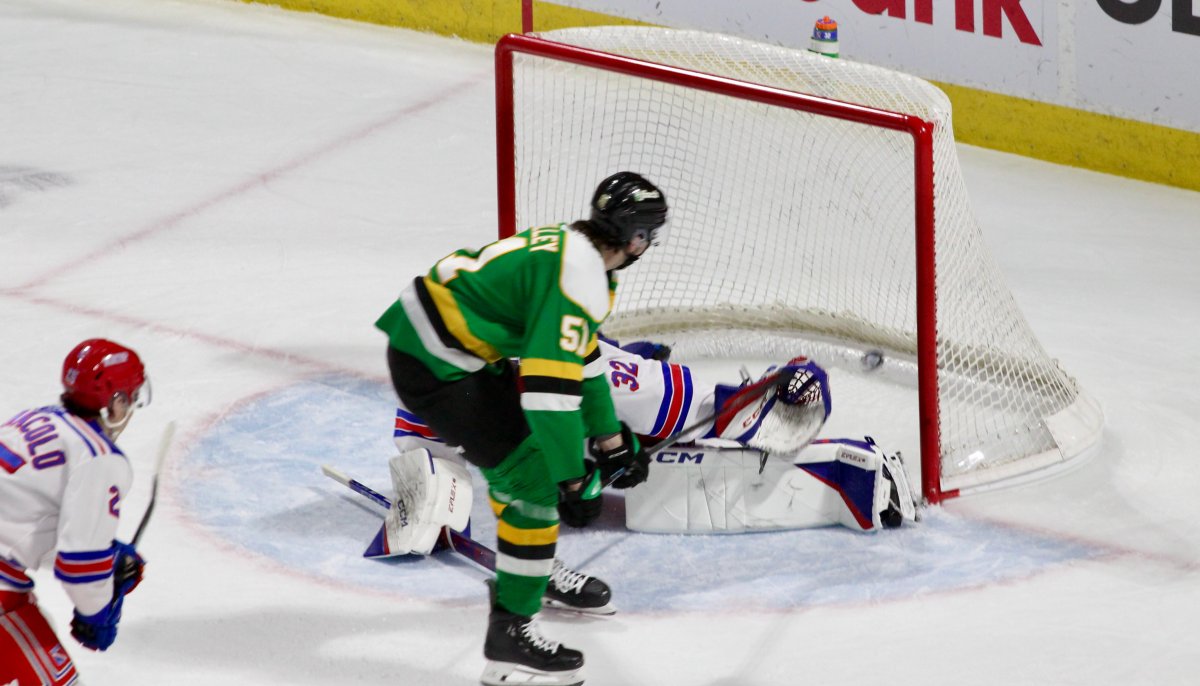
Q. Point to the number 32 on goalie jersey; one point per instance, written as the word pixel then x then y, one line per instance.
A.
pixel 624 374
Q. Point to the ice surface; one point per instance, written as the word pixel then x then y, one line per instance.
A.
pixel 237 192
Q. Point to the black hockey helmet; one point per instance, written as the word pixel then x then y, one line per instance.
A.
pixel 627 206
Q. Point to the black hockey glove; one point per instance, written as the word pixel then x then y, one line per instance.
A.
pixel 580 506
pixel 629 456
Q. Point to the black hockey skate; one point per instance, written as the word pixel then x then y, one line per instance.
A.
pixel 517 653
pixel 577 592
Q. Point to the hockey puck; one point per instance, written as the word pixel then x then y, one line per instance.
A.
pixel 871 360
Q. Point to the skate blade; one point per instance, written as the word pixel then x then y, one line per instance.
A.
pixel 603 610
pixel 512 674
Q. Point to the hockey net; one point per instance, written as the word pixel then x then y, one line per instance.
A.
pixel 840 218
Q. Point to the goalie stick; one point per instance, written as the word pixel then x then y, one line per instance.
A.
pixel 463 545
pixel 740 400
pixel 486 557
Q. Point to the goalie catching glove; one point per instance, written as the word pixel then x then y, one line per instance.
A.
pixel 781 422
pixel 628 461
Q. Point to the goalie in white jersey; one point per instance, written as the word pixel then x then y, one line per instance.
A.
pixel 732 469
pixel 62 483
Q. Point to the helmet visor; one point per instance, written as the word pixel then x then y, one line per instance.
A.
pixel 142 394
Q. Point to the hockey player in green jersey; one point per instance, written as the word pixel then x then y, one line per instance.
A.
pixel 538 296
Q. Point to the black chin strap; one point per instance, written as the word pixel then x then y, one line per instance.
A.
pixel 629 259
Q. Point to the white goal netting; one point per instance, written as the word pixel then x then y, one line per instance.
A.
pixel 790 223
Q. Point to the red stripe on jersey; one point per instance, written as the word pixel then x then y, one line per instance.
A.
pixel 102 566
pixel 676 401
pixel 14 575
pixel 420 429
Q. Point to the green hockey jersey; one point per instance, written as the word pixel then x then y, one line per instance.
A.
pixel 538 296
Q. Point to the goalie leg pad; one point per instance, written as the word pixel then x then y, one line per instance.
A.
pixel 431 492
pixel 706 489
pixel 866 477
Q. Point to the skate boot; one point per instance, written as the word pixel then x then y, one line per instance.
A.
pixel 577 592
pixel 517 653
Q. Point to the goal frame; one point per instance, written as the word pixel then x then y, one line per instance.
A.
pixel 919 129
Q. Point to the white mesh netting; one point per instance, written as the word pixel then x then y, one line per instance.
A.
pixel 796 224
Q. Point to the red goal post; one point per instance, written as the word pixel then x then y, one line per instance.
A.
pixel 517 165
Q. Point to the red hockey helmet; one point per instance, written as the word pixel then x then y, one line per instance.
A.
pixel 97 369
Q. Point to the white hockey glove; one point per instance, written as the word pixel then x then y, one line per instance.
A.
pixel 431 492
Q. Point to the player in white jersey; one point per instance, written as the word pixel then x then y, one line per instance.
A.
pixel 62 482
pixel 713 478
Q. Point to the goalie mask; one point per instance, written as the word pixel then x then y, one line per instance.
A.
pixel 628 209
pixel 97 372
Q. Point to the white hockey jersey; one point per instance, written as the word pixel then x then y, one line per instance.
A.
pixel 656 399
pixel 62 482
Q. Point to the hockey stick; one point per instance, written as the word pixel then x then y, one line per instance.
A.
pixel 737 402
pixel 164 447
pixel 463 545
pixel 486 557
pixel 128 566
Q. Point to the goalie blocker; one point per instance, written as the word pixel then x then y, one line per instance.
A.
pixel 708 488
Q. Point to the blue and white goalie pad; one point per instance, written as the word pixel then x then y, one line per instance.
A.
pixel 431 492
pixel 707 488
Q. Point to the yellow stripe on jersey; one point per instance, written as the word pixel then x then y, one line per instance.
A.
pixel 511 534
pixel 497 506
pixel 456 324
pixel 571 371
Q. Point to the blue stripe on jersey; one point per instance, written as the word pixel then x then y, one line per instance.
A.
pixel 112 447
pixel 84 567
pixel 400 412
pixel 409 424
pixel 14 574
pixel 665 407
pixel 96 440
pixel 687 400
pixel 87 440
